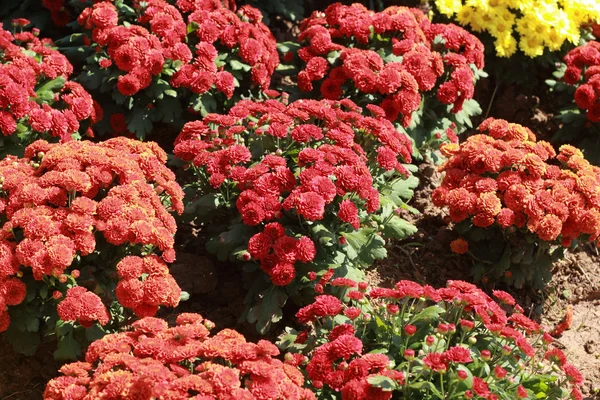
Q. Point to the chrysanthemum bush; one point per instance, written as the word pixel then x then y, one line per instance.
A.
pixel 414 341
pixel 37 99
pixel 578 81
pixel 422 74
pixel 86 231
pixel 159 62
pixel 185 361
pixel 517 202
pixel 526 25
pixel 295 189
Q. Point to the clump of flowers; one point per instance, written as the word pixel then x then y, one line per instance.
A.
pixel 416 71
pixel 579 80
pixel 517 202
pixel 310 182
pixel 37 99
pixel 583 72
pixel 528 26
pixel 166 59
pixel 76 218
pixel 185 361
pixel 415 341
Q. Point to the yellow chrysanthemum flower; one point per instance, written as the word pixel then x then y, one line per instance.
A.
pixel 465 14
pixel 448 7
pixel 539 24
pixel 531 46
pixel 506 45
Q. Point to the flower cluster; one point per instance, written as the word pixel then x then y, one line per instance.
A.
pixel 332 168
pixel 278 252
pixel 84 205
pixel 527 25
pixel 503 177
pixel 145 284
pixel 36 98
pixel 240 33
pixel 82 306
pixel 380 340
pixel 583 72
pixel 392 58
pixel 168 61
pixel 137 53
pixel 185 361
pixel 312 168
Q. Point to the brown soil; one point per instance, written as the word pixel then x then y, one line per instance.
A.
pixel 24 378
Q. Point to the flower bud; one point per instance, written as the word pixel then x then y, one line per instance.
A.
pixel 468 394
pixel 466 325
pixel 486 355
pixel 393 309
pixel 540 365
pixel 411 330
pixel 499 372
pixel 75 273
pixel 472 340
pixel 208 324
pixel 430 340
pixel 462 374
pixel 409 354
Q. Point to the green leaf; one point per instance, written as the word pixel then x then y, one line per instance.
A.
pixel 287 341
pixel 94 333
pixel 398 228
pixel 431 313
pixel 63 328
pixel 23 342
pixel 367 245
pixel 267 309
pixel 426 385
pixel 322 235
pixel 205 104
pixel 202 207
pixel 383 382
pixel 91 78
pixel 401 190
pixel 239 66
pixel 68 348
pixel 139 123
pixel 224 244
pixel 167 110
pixel 56 83
pixel 286 47
pixel 333 56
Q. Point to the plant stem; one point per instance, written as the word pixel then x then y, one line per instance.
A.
pixel 489 107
